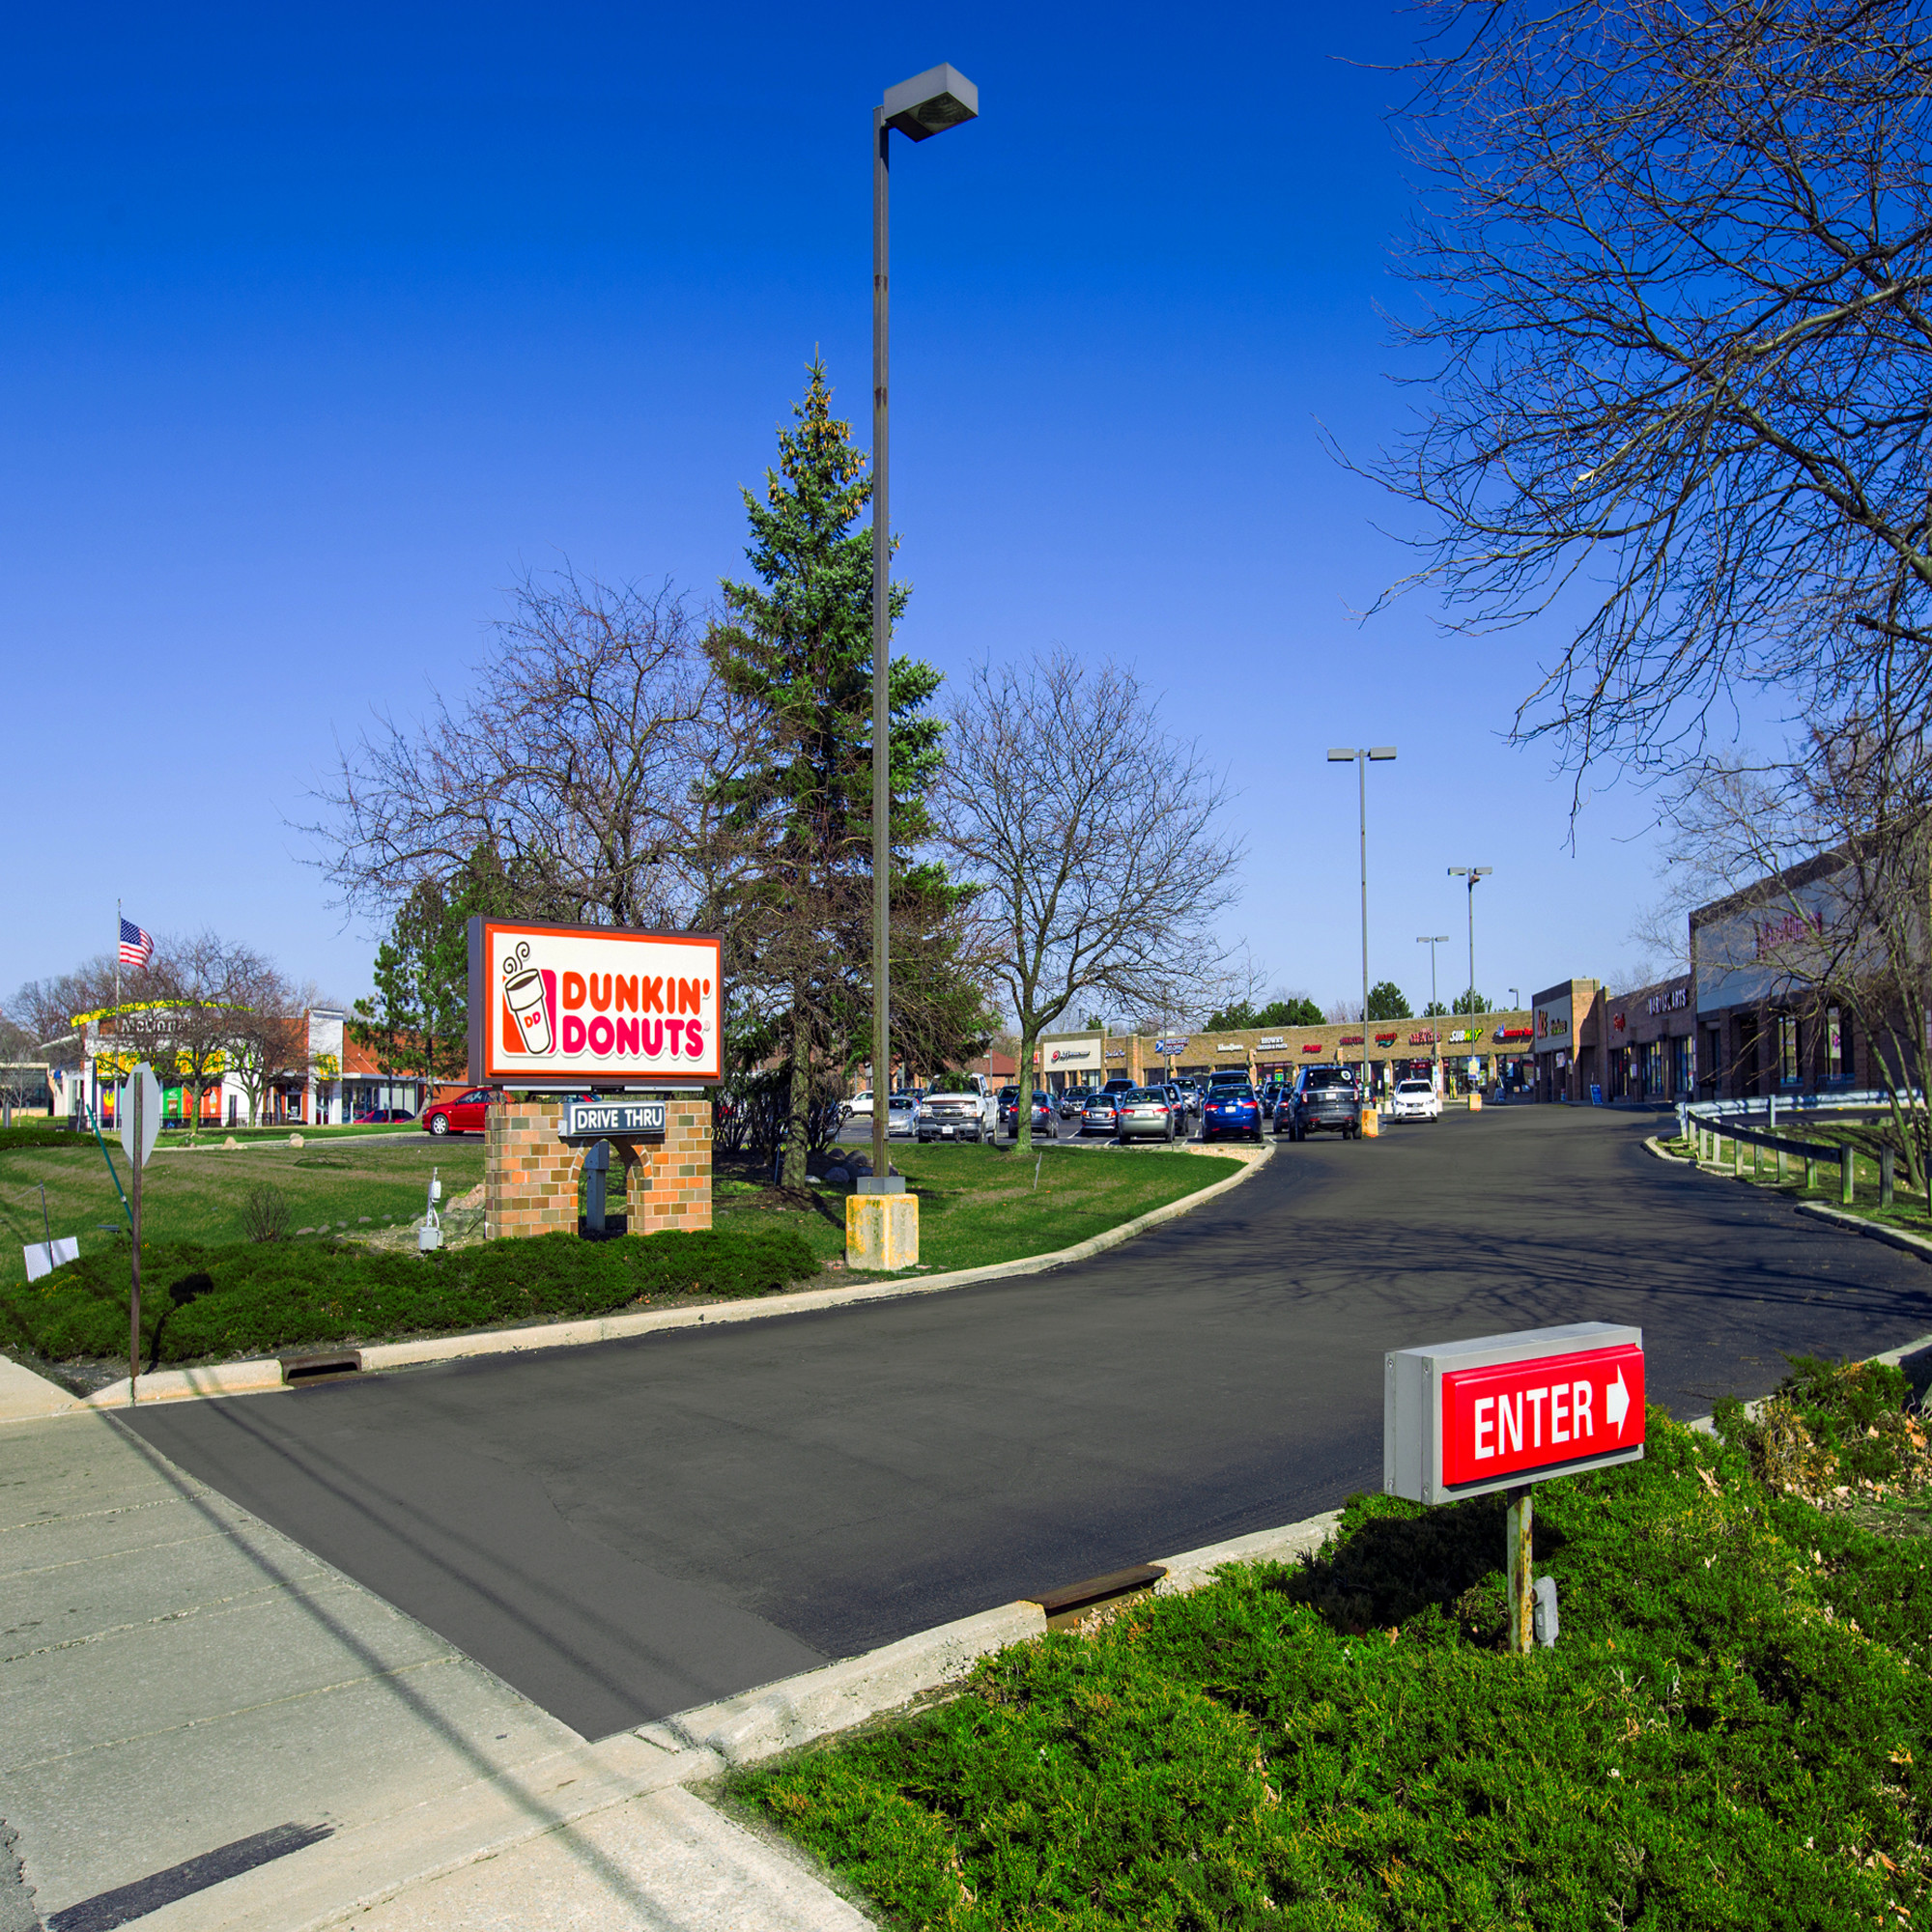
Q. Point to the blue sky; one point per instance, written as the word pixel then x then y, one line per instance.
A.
pixel 320 328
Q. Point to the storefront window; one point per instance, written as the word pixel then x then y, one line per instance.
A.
pixel 1787 1049
pixel 1834 1044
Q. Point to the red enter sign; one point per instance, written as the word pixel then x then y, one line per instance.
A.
pixel 1514 1416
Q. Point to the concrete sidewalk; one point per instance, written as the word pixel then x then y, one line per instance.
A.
pixel 207 1728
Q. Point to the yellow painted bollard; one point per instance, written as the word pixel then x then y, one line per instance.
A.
pixel 1371 1124
pixel 881 1232
pixel 1475 1101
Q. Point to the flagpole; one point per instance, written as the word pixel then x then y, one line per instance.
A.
pixel 117 1002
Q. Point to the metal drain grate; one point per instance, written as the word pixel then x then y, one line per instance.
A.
pixel 298 1371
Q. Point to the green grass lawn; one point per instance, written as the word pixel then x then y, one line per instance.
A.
pixel 982 1204
pixel 1735 1730
pixel 197 1196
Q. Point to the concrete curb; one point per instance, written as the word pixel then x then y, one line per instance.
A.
pixel 781 1717
pixel 795 1710
pixel 25 1397
pixel 254 1377
pixel 1872 1231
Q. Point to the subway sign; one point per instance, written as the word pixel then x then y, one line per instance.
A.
pixel 1463 1418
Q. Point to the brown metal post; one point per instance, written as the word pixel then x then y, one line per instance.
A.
pixel 135 1084
pixel 1517 1539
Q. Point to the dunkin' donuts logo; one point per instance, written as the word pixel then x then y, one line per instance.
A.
pixel 550 1012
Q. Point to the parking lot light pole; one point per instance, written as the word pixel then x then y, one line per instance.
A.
pixel 1360 759
pixel 1472 873
pixel 1433 940
pixel 926 106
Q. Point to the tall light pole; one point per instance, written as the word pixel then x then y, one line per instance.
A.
pixel 1360 759
pixel 928 104
pixel 1432 941
pixel 1472 873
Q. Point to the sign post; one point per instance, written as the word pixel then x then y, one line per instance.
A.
pixel 1504 1413
pixel 140 1128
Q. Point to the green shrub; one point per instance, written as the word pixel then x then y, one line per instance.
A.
pixel 1732 1733
pixel 1832 1430
pixel 252 1298
pixel 43 1134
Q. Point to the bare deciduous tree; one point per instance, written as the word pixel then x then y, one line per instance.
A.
pixel 1674 263
pixel 1819 874
pixel 578 758
pixel 1094 838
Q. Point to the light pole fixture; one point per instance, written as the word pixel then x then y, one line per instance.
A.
pixel 1472 873
pixel 1361 759
pixel 1433 940
pixel 926 106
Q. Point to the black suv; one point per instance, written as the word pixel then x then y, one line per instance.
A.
pixel 1323 1101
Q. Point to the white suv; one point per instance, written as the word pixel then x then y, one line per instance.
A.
pixel 1416 1100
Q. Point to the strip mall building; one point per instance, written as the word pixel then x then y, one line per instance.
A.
pixel 1479 1051
pixel 1574 1042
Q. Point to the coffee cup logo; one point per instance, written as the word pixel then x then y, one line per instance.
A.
pixel 526 1018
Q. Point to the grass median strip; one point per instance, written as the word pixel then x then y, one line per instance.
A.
pixel 1733 1732
pixel 979 1206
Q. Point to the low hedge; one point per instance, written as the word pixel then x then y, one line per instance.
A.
pixel 1734 1730
pixel 44 1134
pixel 199 1302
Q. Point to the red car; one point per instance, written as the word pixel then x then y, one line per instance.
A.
pixel 462 1115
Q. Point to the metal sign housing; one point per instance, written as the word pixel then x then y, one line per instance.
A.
pixel 574 1006
pixel 1465 1419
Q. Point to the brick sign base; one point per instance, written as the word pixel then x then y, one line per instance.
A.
pixel 531 1179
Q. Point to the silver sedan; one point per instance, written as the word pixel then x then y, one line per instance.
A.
pixel 1147 1114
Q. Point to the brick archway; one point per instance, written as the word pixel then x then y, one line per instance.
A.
pixel 531 1178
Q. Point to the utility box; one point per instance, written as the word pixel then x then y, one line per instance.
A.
pixel 1465 1419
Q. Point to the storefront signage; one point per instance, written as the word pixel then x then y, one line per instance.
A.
pixel 1311 1047
pixel 612 1121
pixel 1553 1024
pixel 1230 1046
pixel 1387 1039
pixel 1460 1036
pixel 1462 1419
pixel 1272 1039
pixel 1516 1033
pixel 1116 1053
pixel 1170 1046
pixel 1349 1040
pixel 592 1005
pixel 1617 1023
pixel 1072 1052
pixel 1423 1039
pixel 1674 1000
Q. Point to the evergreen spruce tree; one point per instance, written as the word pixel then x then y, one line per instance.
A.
pixel 797 650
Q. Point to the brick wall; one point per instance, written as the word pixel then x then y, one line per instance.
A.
pixel 532 1178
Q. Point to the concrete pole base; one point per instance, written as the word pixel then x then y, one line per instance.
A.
pixel 881 1232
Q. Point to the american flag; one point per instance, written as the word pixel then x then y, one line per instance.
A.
pixel 137 947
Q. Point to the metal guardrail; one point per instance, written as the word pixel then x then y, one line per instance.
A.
pixel 1717 1128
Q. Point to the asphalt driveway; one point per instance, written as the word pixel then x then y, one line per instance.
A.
pixel 626 1530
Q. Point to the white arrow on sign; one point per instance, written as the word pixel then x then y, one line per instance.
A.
pixel 1616 1403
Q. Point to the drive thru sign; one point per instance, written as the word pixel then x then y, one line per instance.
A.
pixel 1462 1419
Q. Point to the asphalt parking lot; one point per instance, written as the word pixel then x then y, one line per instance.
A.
pixel 625 1530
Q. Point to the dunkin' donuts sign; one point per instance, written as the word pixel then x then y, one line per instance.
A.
pixel 592 1006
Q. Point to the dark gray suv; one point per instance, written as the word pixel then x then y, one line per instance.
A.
pixel 1324 1100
